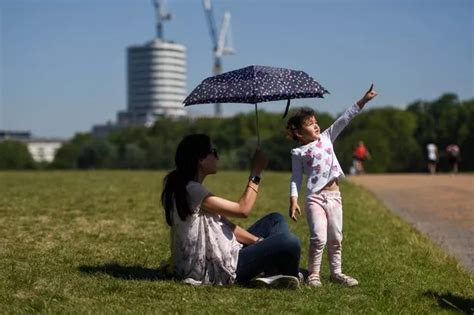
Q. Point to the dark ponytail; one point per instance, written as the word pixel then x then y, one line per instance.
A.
pixel 174 196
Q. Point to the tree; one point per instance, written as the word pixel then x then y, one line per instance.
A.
pixel 97 154
pixel 444 121
pixel 396 139
pixel 67 155
pixel 465 135
pixel 15 155
pixel 389 136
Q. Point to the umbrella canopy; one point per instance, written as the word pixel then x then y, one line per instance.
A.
pixel 256 84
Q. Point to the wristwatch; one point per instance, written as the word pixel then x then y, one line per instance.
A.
pixel 255 179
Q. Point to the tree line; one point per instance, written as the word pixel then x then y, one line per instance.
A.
pixel 396 139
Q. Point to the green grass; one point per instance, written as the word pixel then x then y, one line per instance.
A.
pixel 89 242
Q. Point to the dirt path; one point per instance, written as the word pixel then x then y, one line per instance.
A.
pixel 441 206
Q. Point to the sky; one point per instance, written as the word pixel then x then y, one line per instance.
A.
pixel 63 62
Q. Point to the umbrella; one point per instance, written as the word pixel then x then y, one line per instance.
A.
pixel 255 84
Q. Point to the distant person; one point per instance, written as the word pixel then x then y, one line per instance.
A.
pixel 432 155
pixel 360 154
pixel 453 153
pixel 315 157
pixel 206 247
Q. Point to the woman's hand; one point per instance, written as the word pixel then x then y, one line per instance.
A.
pixel 259 162
pixel 369 95
pixel 243 236
pixel 294 208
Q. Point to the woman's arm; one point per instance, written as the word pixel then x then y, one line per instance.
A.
pixel 243 236
pixel 228 208
pixel 243 207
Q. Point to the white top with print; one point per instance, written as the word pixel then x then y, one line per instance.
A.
pixel 204 248
pixel 317 159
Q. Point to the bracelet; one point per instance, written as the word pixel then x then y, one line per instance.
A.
pixel 253 188
pixel 259 240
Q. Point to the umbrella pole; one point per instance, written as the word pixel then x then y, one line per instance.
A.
pixel 258 133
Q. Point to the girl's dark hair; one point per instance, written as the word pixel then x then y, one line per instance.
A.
pixel 190 150
pixel 296 121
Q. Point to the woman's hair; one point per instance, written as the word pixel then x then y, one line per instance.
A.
pixel 297 120
pixel 190 150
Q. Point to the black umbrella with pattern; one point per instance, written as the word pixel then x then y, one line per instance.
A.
pixel 255 84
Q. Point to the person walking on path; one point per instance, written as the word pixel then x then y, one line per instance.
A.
pixel 206 247
pixel 432 155
pixel 316 158
pixel 360 154
pixel 454 157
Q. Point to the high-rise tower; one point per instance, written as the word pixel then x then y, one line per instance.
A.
pixel 156 78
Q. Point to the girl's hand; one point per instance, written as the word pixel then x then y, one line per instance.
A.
pixel 369 95
pixel 294 209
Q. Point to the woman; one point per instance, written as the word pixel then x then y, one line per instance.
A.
pixel 206 247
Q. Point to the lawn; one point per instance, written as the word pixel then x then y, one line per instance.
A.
pixel 90 242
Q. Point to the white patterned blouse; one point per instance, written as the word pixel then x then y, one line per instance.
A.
pixel 203 247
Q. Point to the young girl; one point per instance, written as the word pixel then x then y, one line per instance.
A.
pixel 323 206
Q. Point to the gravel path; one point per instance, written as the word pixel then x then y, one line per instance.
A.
pixel 441 206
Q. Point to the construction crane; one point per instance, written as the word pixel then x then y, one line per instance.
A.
pixel 221 40
pixel 161 16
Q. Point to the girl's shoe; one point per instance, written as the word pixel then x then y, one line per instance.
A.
pixel 276 282
pixel 314 281
pixel 344 280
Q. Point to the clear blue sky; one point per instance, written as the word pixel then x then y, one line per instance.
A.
pixel 62 62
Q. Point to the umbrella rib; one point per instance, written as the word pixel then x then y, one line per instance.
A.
pixel 254 84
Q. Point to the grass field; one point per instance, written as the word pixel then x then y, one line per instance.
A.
pixel 90 242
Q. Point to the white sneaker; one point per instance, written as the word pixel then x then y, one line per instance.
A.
pixel 191 281
pixel 314 281
pixel 344 280
pixel 301 277
pixel 276 282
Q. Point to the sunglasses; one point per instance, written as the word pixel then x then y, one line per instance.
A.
pixel 214 152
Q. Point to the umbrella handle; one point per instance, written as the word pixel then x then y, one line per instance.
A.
pixel 258 133
pixel 287 108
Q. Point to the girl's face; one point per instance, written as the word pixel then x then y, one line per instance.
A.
pixel 208 165
pixel 309 132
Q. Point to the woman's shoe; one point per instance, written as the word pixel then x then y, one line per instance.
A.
pixel 276 282
pixel 303 275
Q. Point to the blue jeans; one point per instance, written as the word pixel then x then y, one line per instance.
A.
pixel 278 253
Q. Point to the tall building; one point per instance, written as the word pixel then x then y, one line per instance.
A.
pixel 156 82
